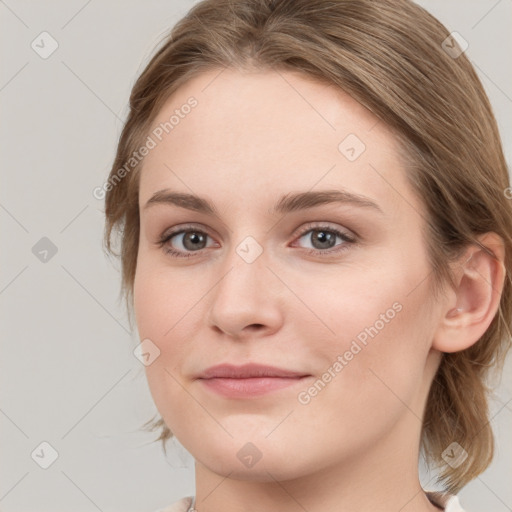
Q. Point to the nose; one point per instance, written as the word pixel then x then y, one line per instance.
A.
pixel 247 300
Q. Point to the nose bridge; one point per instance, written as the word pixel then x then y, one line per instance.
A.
pixel 244 271
pixel 242 296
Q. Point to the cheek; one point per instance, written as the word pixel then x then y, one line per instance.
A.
pixel 162 315
pixel 162 298
pixel 374 315
pixel 375 358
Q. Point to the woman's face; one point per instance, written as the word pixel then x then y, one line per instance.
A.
pixel 336 292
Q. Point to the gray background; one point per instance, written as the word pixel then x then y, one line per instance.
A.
pixel 68 375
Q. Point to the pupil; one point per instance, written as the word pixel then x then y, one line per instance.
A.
pixel 324 238
pixel 194 238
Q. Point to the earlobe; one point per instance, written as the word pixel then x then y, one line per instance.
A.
pixel 475 300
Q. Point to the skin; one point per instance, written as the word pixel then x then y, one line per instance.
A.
pixel 253 137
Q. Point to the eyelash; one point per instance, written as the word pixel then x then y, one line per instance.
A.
pixel 348 240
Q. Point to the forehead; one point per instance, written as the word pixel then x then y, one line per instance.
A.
pixel 256 133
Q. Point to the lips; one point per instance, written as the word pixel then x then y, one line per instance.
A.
pixel 249 380
pixel 247 371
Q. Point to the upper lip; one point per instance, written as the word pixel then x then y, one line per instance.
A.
pixel 230 371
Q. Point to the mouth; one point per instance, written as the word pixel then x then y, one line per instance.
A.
pixel 250 380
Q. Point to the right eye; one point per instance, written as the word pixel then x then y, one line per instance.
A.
pixel 188 240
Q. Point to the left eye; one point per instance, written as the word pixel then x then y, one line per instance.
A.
pixel 322 238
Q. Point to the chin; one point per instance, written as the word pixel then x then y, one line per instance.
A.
pixel 268 471
pixel 259 461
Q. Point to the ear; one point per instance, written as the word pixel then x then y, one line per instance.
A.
pixel 470 307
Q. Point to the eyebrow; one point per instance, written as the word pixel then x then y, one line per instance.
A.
pixel 286 204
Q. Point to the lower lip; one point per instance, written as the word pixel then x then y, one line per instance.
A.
pixel 254 386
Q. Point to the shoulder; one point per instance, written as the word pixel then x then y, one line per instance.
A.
pixel 182 505
pixel 449 502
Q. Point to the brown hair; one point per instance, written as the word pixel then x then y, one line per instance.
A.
pixel 389 56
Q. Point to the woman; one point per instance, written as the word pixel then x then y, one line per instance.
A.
pixel 316 243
